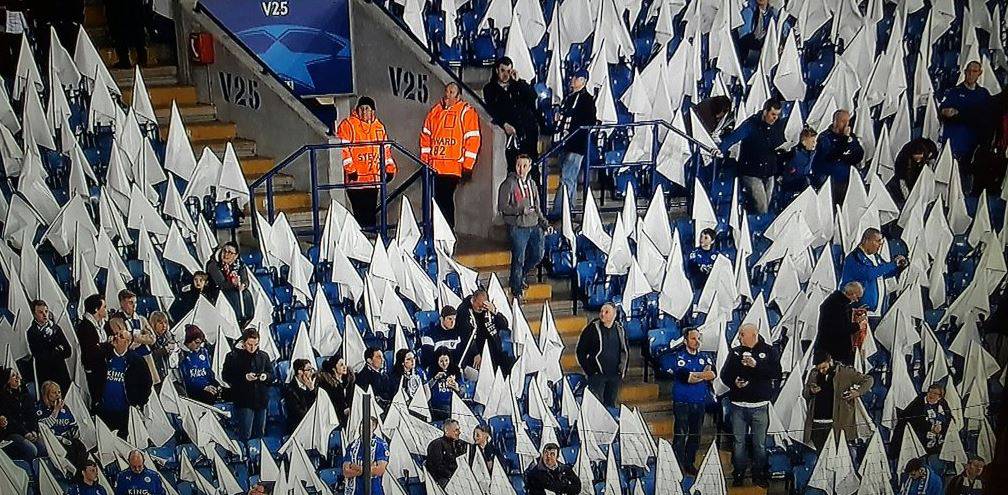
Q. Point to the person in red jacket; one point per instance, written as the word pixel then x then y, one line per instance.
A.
pixel 362 164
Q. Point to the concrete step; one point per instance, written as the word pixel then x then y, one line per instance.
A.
pixel 281 182
pixel 483 261
pixel 567 326
pixel 158 54
pixel 200 112
pixel 94 15
pixel 203 131
pixel 162 96
pixel 661 427
pixel 552 183
pixel 289 202
pixel 164 75
pixel 255 166
pixel 244 148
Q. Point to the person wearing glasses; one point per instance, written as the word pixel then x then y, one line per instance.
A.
pixel 300 393
pixel 865 266
pixel 229 276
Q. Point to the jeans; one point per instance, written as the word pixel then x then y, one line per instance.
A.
pixel 688 423
pixel 526 253
pixel 745 420
pixel 251 423
pixel 22 448
pixel 605 387
pixel 760 191
pixel 570 172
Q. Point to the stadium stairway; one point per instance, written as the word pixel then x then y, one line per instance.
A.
pixel 205 129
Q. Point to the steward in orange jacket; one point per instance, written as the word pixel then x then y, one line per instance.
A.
pixel 449 142
pixel 362 164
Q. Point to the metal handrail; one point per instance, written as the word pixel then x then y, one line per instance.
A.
pixel 385 197
pixel 590 132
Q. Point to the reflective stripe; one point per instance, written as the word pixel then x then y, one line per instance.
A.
pixel 426 131
pixel 347 161
pixel 469 154
pixel 424 150
pixel 470 134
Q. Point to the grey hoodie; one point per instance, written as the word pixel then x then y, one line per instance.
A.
pixel 514 204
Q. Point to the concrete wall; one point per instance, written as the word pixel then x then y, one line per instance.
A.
pixel 391 68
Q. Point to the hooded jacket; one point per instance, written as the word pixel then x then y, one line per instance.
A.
pixel 589 348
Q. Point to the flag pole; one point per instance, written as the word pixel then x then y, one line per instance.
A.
pixel 365 442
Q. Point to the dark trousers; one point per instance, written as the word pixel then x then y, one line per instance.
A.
pixel 819 433
pixel 127 20
pixel 117 421
pixel 605 387
pixel 364 203
pixel 444 195
pixel 688 423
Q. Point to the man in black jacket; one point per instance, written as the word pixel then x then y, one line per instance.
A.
pixel 548 475
pixel 837 323
pixel 760 135
pixel 577 111
pixel 749 373
pixel 442 453
pixel 48 346
pixel 375 375
pixel 300 393
pixel 929 416
pixel 482 447
pixel 91 333
pixel 249 372
pixel 602 353
pixel 478 322
pixel 511 103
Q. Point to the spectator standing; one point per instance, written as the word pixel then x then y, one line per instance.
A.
pixel 229 276
pixel 86 482
pixel 965 122
pixel 863 265
pixel 363 164
pixel 841 325
pixel 928 416
pixel 449 142
pixel 760 135
pixel 127 379
pixel 479 323
pixel 910 161
pixel 756 18
pixel 444 335
pixel 444 385
pixel 701 259
pixel 831 389
pixel 713 113
pixel 17 418
pixel 482 449
pixel 249 372
pixel 52 412
pixel 49 346
pixel 91 334
pixel 353 464
pixel 375 377
pixel 140 330
pixel 968 482
pixel 336 379
pixel 796 168
pixel 837 150
pixel 749 372
pixel 577 110
pixel 406 375
pixel 443 453
pixel 138 479
pixel 919 479
pixel 186 301
pixel 603 354
pixel 127 20
pixel 164 350
pixel 511 103
pixel 196 367
pixel 548 475
pixel 518 203
pixel 300 393
pixel 692 373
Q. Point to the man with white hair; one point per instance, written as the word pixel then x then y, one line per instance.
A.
pixel 840 322
pixel 749 373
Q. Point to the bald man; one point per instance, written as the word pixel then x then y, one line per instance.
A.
pixel 138 479
pixel 749 372
pixel 837 150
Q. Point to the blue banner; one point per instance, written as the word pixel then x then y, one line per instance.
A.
pixel 305 42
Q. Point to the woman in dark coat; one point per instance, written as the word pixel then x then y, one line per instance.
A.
pixel 230 277
pixel 338 381
pixel 17 417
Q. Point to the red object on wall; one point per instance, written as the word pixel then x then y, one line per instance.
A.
pixel 201 48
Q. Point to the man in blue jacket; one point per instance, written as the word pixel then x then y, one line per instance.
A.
pixel 138 479
pixel 964 124
pixel 863 265
pixel 692 372
pixel 756 17
pixel 759 135
pixel 837 150
pixel 796 166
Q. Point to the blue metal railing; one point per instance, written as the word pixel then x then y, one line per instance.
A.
pixel 423 173
pixel 591 136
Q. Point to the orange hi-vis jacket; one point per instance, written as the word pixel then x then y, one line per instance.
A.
pixel 450 138
pixel 363 160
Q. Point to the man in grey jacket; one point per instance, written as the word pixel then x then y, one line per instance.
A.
pixel 518 203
